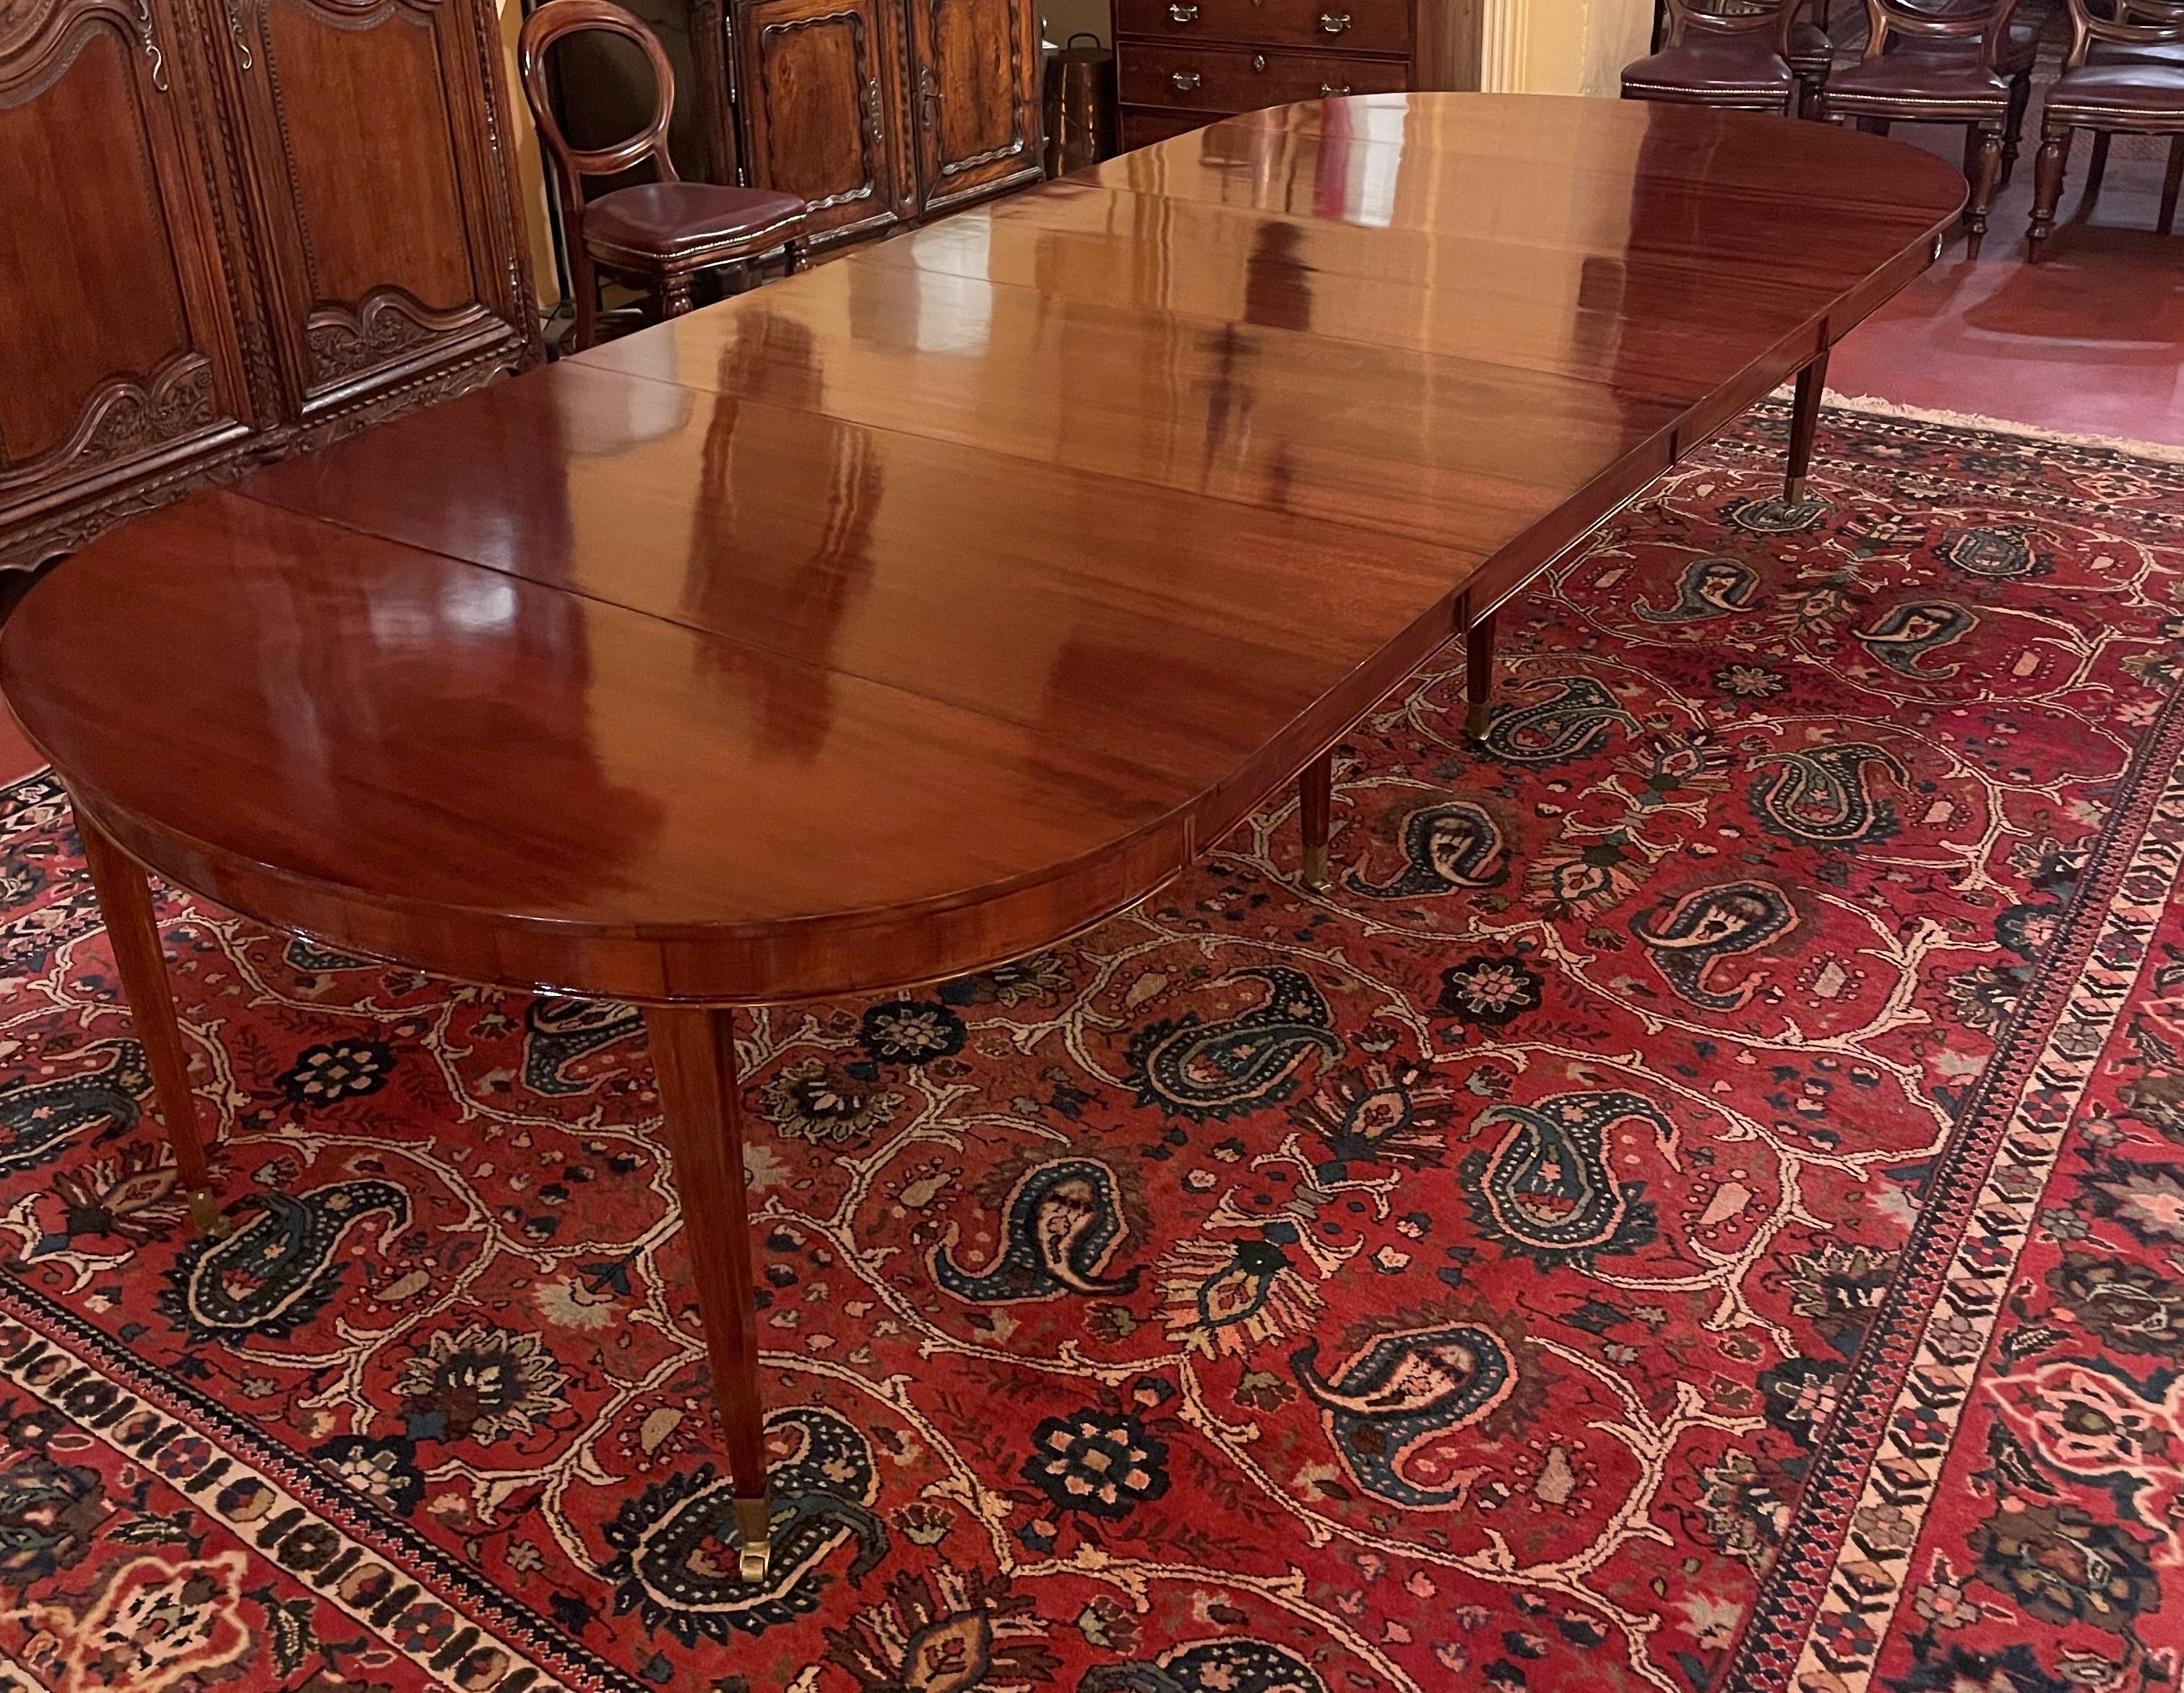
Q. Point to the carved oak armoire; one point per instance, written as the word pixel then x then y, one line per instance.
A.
pixel 879 113
pixel 233 228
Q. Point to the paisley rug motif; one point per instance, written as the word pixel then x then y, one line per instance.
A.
pixel 1699 1205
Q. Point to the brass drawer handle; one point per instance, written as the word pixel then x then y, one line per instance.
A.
pixel 1185 80
pixel 1334 23
pixel 1184 15
pixel 1330 91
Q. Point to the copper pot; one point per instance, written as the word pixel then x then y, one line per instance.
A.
pixel 1080 104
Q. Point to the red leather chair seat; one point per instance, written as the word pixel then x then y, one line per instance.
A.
pixel 1956 80
pixel 2140 90
pixel 1726 66
pixel 677 220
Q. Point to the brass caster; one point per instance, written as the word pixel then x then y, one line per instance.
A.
pixel 1476 719
pixel 1793 493
pixel 1315 869
pixel 205 1214
pixel 754 1531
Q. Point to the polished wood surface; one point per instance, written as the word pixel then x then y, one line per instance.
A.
pixel 229 229
pixel 693 1052
pixel 913 613
pixel 132 930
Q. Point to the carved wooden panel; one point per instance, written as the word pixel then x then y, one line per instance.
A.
pixel 822 103
pixel 974 72
pixel 119 348
pixel 369 137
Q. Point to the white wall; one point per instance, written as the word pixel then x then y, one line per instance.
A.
pixel 1064 17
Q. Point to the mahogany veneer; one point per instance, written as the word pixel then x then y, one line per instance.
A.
pixel 914 613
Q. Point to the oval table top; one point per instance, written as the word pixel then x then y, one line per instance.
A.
pixel 913 613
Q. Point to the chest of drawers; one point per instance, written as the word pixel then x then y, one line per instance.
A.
pixel 1181 63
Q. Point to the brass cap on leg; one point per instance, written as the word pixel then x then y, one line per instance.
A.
pixel 205 1214
pixel 755 1530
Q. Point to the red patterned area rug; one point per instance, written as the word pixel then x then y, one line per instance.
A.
pixel 1699 1206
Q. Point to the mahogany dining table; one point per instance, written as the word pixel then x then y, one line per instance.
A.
pixel 907 615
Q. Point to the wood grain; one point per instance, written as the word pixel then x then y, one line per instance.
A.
pixel 917 612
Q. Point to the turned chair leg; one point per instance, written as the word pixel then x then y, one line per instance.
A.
pixel 2048 169
pixel 1986 173
pixel 1315 813
pixel 1805 428
pixel 2171 184
pixel 794 257
pixel 675 294
pixel 2012 134
pixel 584 284
pixel 2096 167
pixel 693 1052
pixel 1478 675
pixel 125 902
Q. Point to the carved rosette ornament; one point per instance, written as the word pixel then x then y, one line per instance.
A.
pixel 126 416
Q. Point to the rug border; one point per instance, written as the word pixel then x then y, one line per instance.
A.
pixel 1979 423
pixel 1776 1631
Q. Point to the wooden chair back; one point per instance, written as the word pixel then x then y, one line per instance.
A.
pixel 1732 17
pixel 1989 23
pixel 2086 28
pixel 550 24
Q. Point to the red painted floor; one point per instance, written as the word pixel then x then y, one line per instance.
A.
pixel 2090 341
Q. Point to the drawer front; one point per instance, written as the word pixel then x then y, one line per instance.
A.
pixel 1237 80
pixel 1142 126
pixel 1307 25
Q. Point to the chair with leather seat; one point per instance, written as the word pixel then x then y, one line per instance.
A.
pixel 658 234
pixel 1733 54
pixel 2119 92
pixel 1954 77
pixel 2169 52
pixel 2015 58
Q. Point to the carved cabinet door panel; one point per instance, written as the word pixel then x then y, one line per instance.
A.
pixel 121 354
pixel 823 112
pixel 370 129
pixel 974 84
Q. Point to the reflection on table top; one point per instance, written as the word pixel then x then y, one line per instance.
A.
pixel 966 585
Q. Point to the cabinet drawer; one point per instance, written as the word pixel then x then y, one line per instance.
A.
pixel 1140 126
pixel 1208 79
pixel 1311 25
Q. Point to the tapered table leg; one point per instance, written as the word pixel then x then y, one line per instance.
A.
pixel 125 902
pixel 1804 426
pixel 1478 675
pixel 693 1050
pixel 1315 804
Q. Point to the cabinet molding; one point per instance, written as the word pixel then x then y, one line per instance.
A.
pixel 306 223
pixel 939 98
